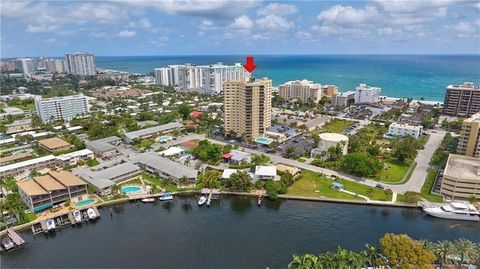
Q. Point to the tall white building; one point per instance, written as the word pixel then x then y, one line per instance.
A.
pixel 302 90
pixel 214 75
pixel 367 94
pixel 61 108
pixel 81 64
pixel 205 78
pixel 25 65
pixel 163 76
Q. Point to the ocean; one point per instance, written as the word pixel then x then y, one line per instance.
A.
pixel 414 76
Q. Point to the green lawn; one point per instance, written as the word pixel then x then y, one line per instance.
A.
pixel 336 126
pixel 427 186
pixel 168 186
pixel 311 182
pixel 395 172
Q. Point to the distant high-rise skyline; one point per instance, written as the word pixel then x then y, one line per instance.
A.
pixel 47 28
pixel 82 64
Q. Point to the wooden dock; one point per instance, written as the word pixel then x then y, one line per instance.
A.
pixel 209 199
pixel 16 239
pixel 62 220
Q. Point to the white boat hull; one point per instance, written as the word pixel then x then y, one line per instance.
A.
pixel 148 200
pixel 91 214
pixel 434 212
pixel 202 200
pixel 51 224
pixel 77 216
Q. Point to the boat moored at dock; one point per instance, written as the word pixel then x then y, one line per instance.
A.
pixel 51 225
pixel 77 216
pixel 148 200
pixel 91 214
pixel 166 197
pixel 454 210
pixel 202 200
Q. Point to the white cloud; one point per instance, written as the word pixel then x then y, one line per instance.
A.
pixel 102 13
pixel 41 28
pixel 127 33
pixel 278 9
pixel 242 22
pixel 274 23
pixel 206 25
pixel 145 23
pixel 347 15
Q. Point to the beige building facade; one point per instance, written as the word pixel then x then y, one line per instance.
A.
pixel 300 90
pixel 468 143
pixel 247 107
pixel 461 178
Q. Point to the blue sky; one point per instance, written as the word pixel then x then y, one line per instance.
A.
pixel 132 27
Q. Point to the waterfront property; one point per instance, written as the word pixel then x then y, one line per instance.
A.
pixel 300 90
pixel 104 179
pixel 367 94
pixel 45 191
pixel 461 177
pixel 266 173
pixel 165 168
pixel 462 100
pixel 343 99
pixel 55 144
pixel 152 131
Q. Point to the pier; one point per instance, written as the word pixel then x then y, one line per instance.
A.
pixel 212 194
pixel 61 220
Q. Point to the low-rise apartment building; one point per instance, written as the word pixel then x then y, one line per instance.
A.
pixel 55 144
pixel 343 99
pixel 151 132
pixel 42 192
pixel 401 129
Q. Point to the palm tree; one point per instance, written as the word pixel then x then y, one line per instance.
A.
pixel 443 250
pixel 372 253
pixel 307 261
pixel 465 248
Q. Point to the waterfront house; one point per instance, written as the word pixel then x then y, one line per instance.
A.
pixel 266 173
pixel 42 192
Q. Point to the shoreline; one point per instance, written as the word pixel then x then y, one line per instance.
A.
pixel 26 226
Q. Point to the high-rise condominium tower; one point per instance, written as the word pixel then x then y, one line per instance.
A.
pixel 81 64
pixel 247 107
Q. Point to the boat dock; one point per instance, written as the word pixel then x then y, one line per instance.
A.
pixel 212 194
pixel 15 238
pixel 61 220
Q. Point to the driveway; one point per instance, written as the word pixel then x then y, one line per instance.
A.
pixel 423 164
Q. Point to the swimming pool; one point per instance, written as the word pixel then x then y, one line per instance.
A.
pixel 164 138
pixel 129 189
pixel 264 140
pixel 84 202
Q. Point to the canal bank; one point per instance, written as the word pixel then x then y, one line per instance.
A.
pixel 28 225
pixel 233 232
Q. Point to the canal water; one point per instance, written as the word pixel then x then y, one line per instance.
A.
pixel 233 233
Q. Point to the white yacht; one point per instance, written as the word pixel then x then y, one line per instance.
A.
pixel 454 210
pixel 77 216
pixel 91 214
pixel 51 225
pixel 202 200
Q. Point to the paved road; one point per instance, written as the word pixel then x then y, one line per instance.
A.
pixel 421 170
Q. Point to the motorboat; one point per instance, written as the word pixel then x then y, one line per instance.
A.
pixel 51 225
pixel 77 216
pixel 202 200
pixel 148 200
pixel 7 243
pixel 91 214
pixel 454 210
pixel 166 197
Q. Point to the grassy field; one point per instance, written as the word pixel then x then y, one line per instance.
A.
pixel 312 182
pixel 395 172
pixel 336 126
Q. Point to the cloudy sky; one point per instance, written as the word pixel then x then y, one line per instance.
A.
pixel 136 27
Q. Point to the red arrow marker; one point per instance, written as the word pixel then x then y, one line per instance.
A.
pixel 249 65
